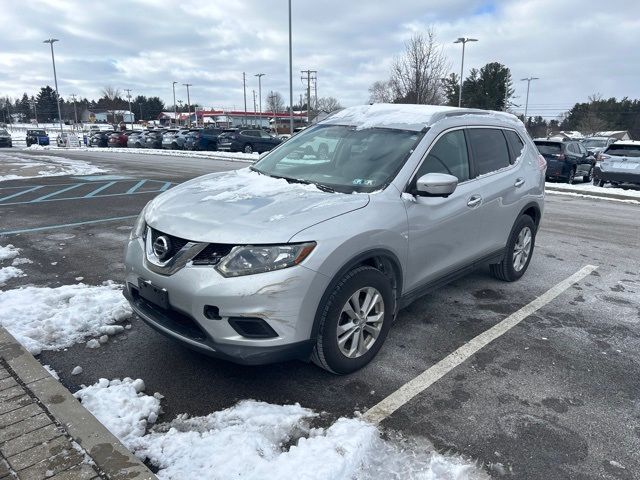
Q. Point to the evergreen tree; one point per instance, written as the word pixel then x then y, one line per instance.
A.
pixel 47 105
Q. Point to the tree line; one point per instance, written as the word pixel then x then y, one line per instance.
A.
pixel 421 74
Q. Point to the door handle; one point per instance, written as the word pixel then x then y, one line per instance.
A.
pixel 519 182
pixel 474 201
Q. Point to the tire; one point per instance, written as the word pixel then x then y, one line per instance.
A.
pixel 588 177
pixel 327 353
pixel 248 148
pixel 507 270
pixel 174 146
pixel 572 177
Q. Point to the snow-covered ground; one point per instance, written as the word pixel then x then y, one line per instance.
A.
pixel 15 166
pixel 582 188
pixel 258 440
pixel 43 318
pixel 234 156
pixel 7 272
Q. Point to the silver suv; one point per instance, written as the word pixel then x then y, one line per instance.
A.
pixel 311 252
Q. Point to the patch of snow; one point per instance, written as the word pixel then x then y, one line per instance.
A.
pixel 243 184
pixel 27 166
pixel 592 197
pixel 121 406
pixel 589 187
pixel 43 318
pixel 93 343
pixel 7 273
pixel 103 339
pixel 110 330
pixel 20 261
pixel 79 279
pixel 51 371
pixel 9 251
pixel 76 370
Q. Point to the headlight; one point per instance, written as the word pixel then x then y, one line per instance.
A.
pixel 140 225
pixel 249 259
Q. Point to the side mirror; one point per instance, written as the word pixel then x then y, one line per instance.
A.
pixel 436 185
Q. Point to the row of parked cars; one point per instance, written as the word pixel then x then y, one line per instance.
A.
pixel 617 162
pixel 231 140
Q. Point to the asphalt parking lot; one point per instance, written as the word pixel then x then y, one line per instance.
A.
pixel 555 397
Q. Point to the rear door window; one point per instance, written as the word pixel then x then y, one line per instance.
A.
pixel 489 149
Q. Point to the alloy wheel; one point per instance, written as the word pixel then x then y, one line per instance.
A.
pixel 522 249
pixel 360 322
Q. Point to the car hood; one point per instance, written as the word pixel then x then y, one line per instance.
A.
pixel 245 207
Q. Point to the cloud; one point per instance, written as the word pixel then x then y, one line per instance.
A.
pixel 576 47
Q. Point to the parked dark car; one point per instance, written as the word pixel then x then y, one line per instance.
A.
pixel 619 163
pixel 136 139
pixel 209 138
pixel 566 160
pixel 5 138
pixel 153 139
pixel 247 141
pixel 192 140
pixel 99 139
pixel 37 137
pixel 118 139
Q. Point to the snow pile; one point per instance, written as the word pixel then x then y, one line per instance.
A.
pixel 7 273
pixel 593 189
pixel 121 406
pixel 243 184
pixel 43 318
pixel 9 252
pixel 258 440
pixel 28 166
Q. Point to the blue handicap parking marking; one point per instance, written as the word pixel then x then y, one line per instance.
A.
pixel 100 178
pixel 32 194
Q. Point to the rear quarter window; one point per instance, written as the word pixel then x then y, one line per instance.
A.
pixel 516 145
pixel 489 149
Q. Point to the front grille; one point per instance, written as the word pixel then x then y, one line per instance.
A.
pixel 176 243
pixel 212 254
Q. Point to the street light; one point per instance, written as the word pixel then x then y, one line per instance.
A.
pixel 290 77
pixel 188 102
pixel 526 105
pixel 463 41
pixel 175 107
pixel 51 41
pixel 128 90
pixel 260 75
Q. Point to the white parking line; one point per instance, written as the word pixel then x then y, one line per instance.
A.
pixel 404 394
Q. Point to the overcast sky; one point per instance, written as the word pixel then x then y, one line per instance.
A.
pixel 576 47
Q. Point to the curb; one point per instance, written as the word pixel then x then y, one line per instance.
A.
pixel 588 193
pixel 109 455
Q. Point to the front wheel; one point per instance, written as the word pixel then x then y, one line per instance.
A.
pixel 354 321
pixel 248 148
pixel 518 252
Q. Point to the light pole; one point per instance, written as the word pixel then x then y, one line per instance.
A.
pixel 463 41
pixel 128 90
pixel 526 105
pixel 34 104
pixel 290 76
pixel 75 110
pixel 51 41
pixel 244 89
pixel 259 75
pixel 175 107
pixel 188 102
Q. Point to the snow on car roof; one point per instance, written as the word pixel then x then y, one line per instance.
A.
pixel 407 117
pixel 635 143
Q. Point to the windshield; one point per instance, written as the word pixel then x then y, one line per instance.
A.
pixel 341 157
pixel 618 150
pixel 594 143
pixel 37 132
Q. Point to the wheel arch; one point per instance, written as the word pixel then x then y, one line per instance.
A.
pixel 533 210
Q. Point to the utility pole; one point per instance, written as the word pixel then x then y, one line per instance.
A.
pixel 290 75
pixel 34 104
pixel 315 92
pixel 255 107
pixel 51 41
pixel 244 89
pixel 463 41
pixel 188 101
pixel 260 75
pixel 75 110
pixel 180 102
pixel 140 105
pixel 309 76
pixel 175 107
pixel 526 105
pixel 128 90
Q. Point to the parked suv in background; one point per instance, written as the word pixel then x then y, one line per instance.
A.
pixel 37 137
pixel 596 145
pixel 620 163
pixel 136 139
pixel 5 138
pixel 247 141
pixel 153 139
pixel 99 139
pixel 209 138
pixel 567 160
pixel 311 251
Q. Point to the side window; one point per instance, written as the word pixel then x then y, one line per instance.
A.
pixel 489 147
pixel 448 155
pixel 516 144
pixel 583 151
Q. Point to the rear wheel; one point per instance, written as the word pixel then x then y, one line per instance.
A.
pixel 518 252
pixel 572 177
pixel 589 176
pixel 354 321
pixel 248 148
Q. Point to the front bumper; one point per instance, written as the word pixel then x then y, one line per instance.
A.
pixel 616 176
pixel 286 300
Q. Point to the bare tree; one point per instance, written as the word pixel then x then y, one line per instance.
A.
pixel 416 75
pixel 328 104
pixel 381 92
pixel 275 102
pixel 110 93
